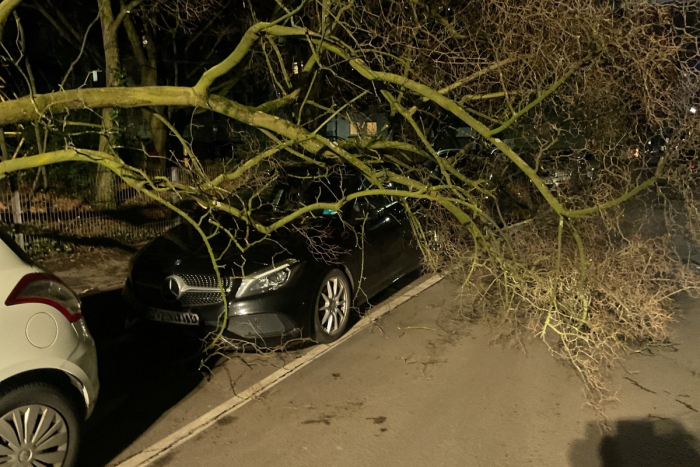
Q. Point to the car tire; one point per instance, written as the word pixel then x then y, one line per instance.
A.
pixel 331 307
pixel 42 409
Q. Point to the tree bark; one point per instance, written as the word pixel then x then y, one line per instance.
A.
pixel 27 109
pixel 4 155
pixel 104 183
pixel 148 64
pixel 6 9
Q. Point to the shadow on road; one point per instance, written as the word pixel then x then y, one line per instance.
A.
pixel 637 443
pixel 142 375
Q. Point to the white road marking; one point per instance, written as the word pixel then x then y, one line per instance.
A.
pixel 167 444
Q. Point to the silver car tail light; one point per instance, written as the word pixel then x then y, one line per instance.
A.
pixel 49 290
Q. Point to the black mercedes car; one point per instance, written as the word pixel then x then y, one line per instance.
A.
pixel 302 281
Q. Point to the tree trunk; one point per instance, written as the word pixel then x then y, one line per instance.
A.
pixel 41 147
pixel 4 155
pixel 147 56
pixel 104 183
pixel 15 202
pixel 159 134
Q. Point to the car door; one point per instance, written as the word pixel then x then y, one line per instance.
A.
pixel 376 221
pixel 403 251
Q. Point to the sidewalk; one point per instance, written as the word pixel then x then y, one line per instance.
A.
pixel 424 387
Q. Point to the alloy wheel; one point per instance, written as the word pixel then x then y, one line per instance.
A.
pixel 33 436
pixel 333 304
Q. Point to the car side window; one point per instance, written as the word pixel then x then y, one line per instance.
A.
pixel 372 206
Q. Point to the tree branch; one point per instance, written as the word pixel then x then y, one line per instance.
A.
pixel 30 108
pixel 123 11
pixel 491 95
pixel 271 106
pixel 543 95
pixel 80 53
pixel 478 74
pixel 244 46
pixel 6 9
pixel 242 49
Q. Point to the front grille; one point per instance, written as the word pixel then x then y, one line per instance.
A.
pixel 148 288
pixel 200 298
pixel 206 281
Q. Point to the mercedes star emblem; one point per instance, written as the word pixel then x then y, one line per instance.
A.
pixel 172 287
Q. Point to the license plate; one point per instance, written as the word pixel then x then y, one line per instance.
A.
pixel 176 317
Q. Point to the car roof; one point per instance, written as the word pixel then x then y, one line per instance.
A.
pixel 13 247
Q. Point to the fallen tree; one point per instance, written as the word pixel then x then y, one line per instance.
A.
pixel 543 88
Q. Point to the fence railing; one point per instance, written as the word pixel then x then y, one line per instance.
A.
pixel 42 219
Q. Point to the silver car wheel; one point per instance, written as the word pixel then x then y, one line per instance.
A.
pixel 333 304
pixel 33 436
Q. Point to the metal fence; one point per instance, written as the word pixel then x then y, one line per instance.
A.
pixel 47 219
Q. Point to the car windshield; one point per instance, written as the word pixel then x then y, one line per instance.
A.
pixel 295 191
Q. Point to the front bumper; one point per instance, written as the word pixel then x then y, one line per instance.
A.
pixel 267 319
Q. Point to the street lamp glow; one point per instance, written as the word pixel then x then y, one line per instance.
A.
pixel 693 110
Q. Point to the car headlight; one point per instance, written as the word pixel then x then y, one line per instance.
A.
pixel 265 280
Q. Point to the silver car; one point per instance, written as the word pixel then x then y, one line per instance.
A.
pixel 48 364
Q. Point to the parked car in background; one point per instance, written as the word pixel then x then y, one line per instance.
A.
pixel 680 152
pixel 568 167
pixel 509 186
pixel 649 154
pixel 555 168
pixel 302 281
pixel 48 364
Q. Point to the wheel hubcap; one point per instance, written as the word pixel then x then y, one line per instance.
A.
pixel 33 436
pixel 333 305
pixel 25 455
